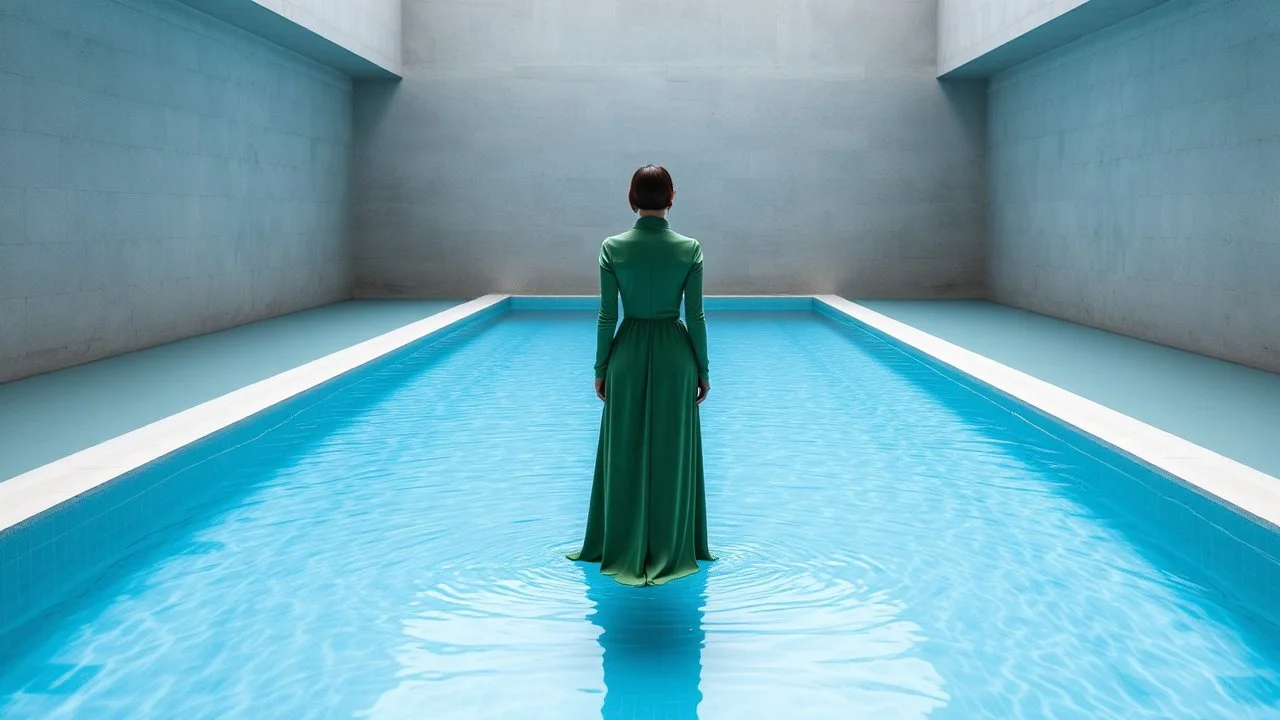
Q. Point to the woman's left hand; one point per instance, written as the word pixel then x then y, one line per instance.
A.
pixel 600 388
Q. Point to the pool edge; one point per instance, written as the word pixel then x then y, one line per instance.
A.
pixel 39 490
pixel 1244 488
pixel 29 494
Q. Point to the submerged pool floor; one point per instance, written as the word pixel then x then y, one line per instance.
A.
pixel 891 544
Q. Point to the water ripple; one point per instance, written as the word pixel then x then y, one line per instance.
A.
pixel 890 546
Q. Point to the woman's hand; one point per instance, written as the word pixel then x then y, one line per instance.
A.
pixel 600 388
pixel 704 387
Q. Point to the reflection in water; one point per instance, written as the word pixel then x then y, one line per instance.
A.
pixel 652 640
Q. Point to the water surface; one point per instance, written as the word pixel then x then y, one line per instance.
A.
pixel 891 544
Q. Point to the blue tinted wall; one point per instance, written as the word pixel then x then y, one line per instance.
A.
pixel 1135 179
pixel 162 174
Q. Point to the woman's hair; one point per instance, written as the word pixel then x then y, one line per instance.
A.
pixel 651 188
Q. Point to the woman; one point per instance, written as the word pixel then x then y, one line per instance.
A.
pixel 648 518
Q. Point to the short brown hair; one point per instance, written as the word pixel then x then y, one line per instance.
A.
pixel 651 188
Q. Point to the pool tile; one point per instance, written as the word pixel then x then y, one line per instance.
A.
pixel 50 555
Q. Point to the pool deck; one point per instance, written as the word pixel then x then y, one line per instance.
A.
pixel 1229 409
pixel 47 417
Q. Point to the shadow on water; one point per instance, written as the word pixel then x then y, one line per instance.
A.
pixel 652 640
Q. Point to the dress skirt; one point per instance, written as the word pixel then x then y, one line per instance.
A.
pixel 647 523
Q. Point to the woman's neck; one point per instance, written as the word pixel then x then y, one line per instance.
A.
pixel 653 213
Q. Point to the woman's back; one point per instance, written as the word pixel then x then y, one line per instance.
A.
pixel 651 265
pixel 651 268
pixel 647 522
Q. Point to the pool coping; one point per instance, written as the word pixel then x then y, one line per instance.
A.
pixel 41 489
pixel 1246 489
pixel 37 491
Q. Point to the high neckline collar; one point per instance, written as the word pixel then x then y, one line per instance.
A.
pixel 652 222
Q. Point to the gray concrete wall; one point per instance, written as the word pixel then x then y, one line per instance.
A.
pixel 1135 180
pixel 812 147
pixel 360 39
pixel 161 175
pixel 968 29
pixel 369 28
pixel 980 38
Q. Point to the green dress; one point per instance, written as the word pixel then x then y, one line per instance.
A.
pixel 647 523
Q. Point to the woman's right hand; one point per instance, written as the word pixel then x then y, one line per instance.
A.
pixel 704 387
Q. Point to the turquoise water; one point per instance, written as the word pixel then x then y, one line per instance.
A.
pixel 892 545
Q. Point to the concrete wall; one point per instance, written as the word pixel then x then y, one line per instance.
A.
pixel 979 38
pixel 360 38
pixel 369 28
pixel 1135 180
pixel 812 147
pixel 161 175
pixel 968 29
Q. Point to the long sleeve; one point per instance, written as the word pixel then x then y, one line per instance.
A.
pixel 693 315
pixel 607 322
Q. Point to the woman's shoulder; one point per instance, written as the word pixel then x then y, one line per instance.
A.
pixel 619 238
pixel 611 241
pixel 672 236
pixel 683 238
pixel 688 245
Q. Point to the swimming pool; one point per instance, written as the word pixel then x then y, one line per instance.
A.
pixel 894 541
